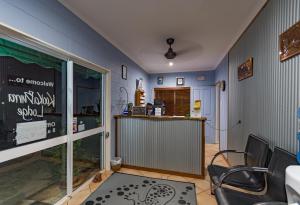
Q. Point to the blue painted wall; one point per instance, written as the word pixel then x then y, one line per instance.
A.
pixel 221 73
pixel 51 22
pixel 190 79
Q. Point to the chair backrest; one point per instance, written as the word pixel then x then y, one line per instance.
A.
pixel 280 160
pixel 257 151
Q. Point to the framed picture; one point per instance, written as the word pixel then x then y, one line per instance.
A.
pixel 179 81
pixel 160 80
pixel 245 70
pixel 290 42
pixel 124 72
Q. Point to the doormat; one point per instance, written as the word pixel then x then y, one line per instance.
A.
pixel 127 189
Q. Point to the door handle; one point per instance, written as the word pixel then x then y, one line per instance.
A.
pixel 107 135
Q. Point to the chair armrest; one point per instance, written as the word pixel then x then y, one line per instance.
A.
pixel 271 203
pixel 240 169
pixel 225 151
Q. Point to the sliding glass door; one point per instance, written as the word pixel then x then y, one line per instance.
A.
pixel 51 124
pixel 88 129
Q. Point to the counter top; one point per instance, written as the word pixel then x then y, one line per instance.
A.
pixel 152 117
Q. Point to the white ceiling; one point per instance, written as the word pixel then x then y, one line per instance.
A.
pixel 204 30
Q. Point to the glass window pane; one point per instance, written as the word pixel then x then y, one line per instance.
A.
pixel 32 95
pixel 87 99
pixel 38 178
pixel 88 158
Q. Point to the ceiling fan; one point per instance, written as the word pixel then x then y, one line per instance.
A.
pixel 170 54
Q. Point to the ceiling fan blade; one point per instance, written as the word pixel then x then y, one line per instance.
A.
pixel 189 50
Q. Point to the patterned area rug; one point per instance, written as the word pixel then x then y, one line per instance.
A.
pixel 125 189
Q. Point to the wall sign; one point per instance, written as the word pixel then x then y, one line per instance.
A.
pixel 14 80
pixel 290 42
pixel 32 105
pixel 31 131
pixel 245 70
pixel 201 78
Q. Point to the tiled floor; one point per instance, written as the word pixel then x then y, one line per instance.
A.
pixel 203 188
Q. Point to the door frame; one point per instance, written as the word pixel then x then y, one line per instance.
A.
pixel 218 113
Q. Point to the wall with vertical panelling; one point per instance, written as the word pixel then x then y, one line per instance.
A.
pixel 266 103
pixel 174 145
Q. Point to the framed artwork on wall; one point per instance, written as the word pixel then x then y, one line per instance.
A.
pixel 180 81
pixel 160 80
pixel 290 42
pixel 124 72
pixel 245 70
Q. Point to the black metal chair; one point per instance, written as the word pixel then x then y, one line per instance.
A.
pixel 275 177
pixel 255 155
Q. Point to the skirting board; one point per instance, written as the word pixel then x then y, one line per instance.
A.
pixel 164 171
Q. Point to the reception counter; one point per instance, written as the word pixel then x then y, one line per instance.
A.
pixel 166 144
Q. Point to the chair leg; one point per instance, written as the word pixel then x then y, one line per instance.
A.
pixel 212 188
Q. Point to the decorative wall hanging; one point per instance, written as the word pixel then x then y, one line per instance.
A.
pixel 245 70
pixel 124 72
pixel 160 80
pixel 179 81
pixel 139 84
pixel 290 42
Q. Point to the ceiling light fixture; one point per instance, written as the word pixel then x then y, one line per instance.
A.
pixel 171 64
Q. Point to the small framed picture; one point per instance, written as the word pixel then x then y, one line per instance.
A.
pixel 179 81
pixel 245 70
pixel 124 72
pixel 160 80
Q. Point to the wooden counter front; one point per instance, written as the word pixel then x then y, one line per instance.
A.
pixel 166 144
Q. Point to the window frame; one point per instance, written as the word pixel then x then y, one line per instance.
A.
pixel 21 38
pixel 174 92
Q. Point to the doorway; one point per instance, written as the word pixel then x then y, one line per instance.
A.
pixel 206 94
pixel 221 115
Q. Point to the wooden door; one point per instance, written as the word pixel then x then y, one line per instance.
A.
pixel 207 96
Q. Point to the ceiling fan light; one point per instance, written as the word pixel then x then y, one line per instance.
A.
pixel 170 54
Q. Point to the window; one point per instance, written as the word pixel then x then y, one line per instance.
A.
pixel 32 95
pixel 87 99
pixel 87 156
pixel 37 177
pixel 88 151
pixel 36 165
pixel 176 100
